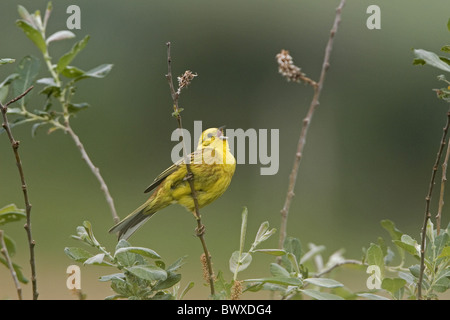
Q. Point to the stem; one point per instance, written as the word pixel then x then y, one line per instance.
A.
pixel 64 100
pixel 200 230
pixel 427 206
pixel 94 170
pixel 15 147
pixel 441 197
pixel 305 126
pixel 4 251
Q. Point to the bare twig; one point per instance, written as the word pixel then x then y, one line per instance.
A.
pixel 4 251
pixel 441 196
pixel 94 170
pixel 200 230
pixel 15 147
pixel 306 123
pixel 427 205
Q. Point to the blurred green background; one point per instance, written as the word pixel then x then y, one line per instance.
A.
pixel 368 156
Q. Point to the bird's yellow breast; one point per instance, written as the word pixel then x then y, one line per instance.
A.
pixel 211 178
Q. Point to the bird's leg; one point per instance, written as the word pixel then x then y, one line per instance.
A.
pixel 189 176
pixel 200 230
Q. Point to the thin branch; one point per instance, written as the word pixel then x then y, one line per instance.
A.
pixel 427 206
pixel 94 169
pixel 15 147
pixel 4 251
pixel 305 125
pixel 200 230
pixel 441 196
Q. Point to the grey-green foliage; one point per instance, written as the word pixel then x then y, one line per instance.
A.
pixel 291 277
pixel 403 282
pixel 58 86
pixel 10 213
pixel 424 57
pixel 141 274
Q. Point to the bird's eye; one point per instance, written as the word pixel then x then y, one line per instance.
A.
pixel 209 135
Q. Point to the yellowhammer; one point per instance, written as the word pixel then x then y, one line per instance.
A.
pixel 212 166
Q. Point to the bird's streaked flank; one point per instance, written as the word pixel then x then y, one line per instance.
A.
pixel 212 166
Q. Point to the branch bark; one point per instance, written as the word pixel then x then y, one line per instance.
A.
pixel 305 125
pixel 15 147
pixel 94 170
pixel 427 205
pixel 200 230
pixel 4 251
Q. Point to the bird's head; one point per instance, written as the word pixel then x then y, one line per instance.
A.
pixel 213 137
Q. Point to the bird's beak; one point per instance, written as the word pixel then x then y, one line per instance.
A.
pixel 220 133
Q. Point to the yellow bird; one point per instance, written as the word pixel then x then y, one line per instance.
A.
pixel 212 166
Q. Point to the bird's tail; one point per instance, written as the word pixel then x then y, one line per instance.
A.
pixel 133 221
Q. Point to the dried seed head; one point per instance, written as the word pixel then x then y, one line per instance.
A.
pixel 185 80
pixel 205 268
pixel 288 69
pixel 236 290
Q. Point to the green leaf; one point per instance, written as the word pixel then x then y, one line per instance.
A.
pixel 88 227
pixel 98 72
pixel 114 276
pixel 238 265
pixel 393 285
pixel 60 35
pixel 150 273
pixel 321 295
pixel 443 283
pixel 291 245
pixel 48 11
pixel 72 72
pixel 28 69
pixel 389 226
pixel 47 82
pixel 278 271
pixel 324 282
pixel 25 15
pixel 15 123
pixel 313 250
pixel 17 269
pixel 98 260
pixel 6 60
pixel 189 286
pixel 223 288
pixel 263 233
pixel 244 216
pixel 77 254
pixel 10 245
pixel 273 252
pixel 138 250
pixel 176 265
pixel 124 257
pixel 33 34
pixel 66 59
pixel 76 107
pixel 286 281
pixel 445 252
pixel 374 256
pixel 172 279
pixel 11 213
pixel 431 59
pixel 372 296
pixel 409 244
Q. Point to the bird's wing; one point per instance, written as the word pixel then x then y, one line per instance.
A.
pixel 196 157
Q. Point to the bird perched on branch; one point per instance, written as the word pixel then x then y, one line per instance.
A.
pixel 212 166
